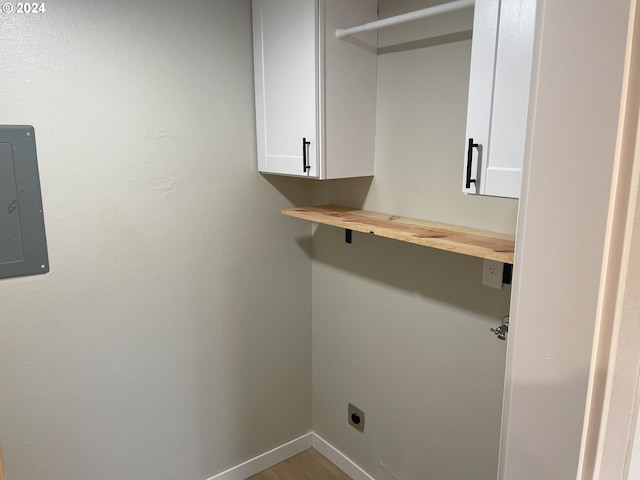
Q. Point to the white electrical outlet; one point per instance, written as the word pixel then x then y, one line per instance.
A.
pixel 492 274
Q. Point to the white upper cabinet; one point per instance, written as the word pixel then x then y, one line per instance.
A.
pixel 499 84
pixel 315 94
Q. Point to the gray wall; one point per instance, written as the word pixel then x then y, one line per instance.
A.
pixel 564 226
pixel 403 331
pixel 172 337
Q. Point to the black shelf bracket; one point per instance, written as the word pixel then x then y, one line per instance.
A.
pixel 507 273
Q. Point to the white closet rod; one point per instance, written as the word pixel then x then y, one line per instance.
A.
pixel 406 17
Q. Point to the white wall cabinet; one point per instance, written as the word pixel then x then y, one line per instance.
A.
pixel 315 94
pixel 499 84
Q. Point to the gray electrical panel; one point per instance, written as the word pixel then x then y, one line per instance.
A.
pixel 23 243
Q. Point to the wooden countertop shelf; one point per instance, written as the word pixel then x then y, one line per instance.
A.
pixel 468 241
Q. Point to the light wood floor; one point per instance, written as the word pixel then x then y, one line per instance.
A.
pixel 308 465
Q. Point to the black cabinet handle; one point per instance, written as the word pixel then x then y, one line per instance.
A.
pixel 305 166
pixel 469 162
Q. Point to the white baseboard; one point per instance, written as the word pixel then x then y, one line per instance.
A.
pixel 267 459
pixel 297 445
pixel 339 459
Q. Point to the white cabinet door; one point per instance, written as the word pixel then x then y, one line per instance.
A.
pixel 501 56
pixel 483 59
pixel 315 93
pixel 503 172
pixel 285 69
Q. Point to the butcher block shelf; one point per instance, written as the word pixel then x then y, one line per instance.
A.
pixel 468 241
